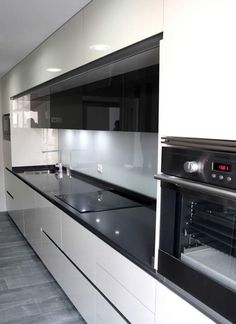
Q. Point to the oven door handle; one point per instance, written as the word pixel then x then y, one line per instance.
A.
pixel 203 188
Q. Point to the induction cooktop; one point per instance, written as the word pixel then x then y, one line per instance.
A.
pixel 100 200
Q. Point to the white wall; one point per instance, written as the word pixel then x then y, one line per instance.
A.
pixel 2 181
pixel 128 159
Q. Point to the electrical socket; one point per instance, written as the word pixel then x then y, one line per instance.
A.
pixel 99 168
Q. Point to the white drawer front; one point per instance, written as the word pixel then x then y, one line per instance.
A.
pixel 122 299
pixel 51 218
pixel 134 279
pixel 105 313
pixel 79 244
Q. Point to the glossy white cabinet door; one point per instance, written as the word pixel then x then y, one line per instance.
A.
pixel 28 205
pixel 77 288
pixel 197 69
pixel 119 23
pixel 14 187
pixel 171 309
pixel 79 244
pixel 51 218
pixel 33 221
pixel 105 313
pixel 9 197
pixel 122 299
pixel 133 278
pixel 128 287
pixel 28 72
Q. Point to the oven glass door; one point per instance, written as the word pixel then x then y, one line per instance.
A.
pixel 207 236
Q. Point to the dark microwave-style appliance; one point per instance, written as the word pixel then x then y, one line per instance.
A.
pixel 197 249
pixel 6 127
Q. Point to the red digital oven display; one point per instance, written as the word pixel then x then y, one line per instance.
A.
pixel 222 167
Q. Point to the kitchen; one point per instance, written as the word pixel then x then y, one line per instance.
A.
pixel 196 66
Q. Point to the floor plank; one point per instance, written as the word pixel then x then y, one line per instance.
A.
pixel 28 292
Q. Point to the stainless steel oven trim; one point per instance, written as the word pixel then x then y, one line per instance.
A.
pixel 203 188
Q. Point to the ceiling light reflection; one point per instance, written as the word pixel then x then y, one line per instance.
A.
pixel 54 69
pixel 99 47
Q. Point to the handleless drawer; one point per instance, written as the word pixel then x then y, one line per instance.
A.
pixel 78 289
pixel 79 245
pixel 127 286
pixel 51 218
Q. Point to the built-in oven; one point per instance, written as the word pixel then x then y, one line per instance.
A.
pixel 197 249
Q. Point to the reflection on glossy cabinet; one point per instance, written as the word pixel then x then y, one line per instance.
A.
pixel 32 222
pixel 128 287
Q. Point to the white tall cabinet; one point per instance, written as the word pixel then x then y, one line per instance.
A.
pixel 198 68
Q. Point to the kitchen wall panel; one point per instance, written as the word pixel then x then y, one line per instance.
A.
pixel 128 159
pixel 198 68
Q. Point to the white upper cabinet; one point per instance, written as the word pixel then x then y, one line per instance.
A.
pixel 64 50
pixel 30 71
pixel 112 25
pixel 198 68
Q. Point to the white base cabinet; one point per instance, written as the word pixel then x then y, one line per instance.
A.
pixel 105 313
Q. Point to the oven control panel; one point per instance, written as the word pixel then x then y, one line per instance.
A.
pixel 212 167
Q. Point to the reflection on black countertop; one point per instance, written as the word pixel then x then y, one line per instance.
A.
pixel 131 230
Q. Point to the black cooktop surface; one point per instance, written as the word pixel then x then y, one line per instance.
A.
pixel 100 200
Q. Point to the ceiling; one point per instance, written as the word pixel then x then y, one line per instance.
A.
pixel 24 24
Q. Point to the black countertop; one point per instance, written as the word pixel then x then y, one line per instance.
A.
pixel 131 230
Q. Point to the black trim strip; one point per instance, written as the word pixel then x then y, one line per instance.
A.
pixel 84 275
pixel 9 194
pixel 123 53
pixel 202 287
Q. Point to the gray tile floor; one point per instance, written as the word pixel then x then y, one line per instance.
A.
pixel 28 293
